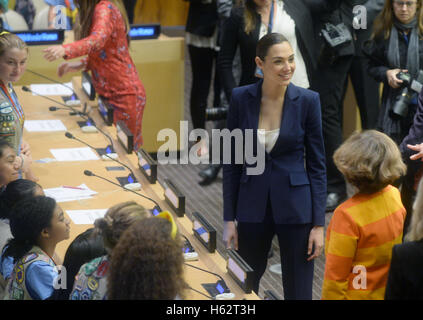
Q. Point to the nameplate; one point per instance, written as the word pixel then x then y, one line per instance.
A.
pixel 204 232
pixel 125 136
pixel 106 111
pixel 144 31
pixel 41 37
pixel 147 165
pixel 174 198
pixel 240 271
pixel 87 85
pixel 155 211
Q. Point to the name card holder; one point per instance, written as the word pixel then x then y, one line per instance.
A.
pixel 204 232
pixel 144 31
pixel 41 37
pixel 155 211
pixel 125 136
pixel 174 198
pixel 147 165
pixel 87 85
pixel 106 111
pixel 240 271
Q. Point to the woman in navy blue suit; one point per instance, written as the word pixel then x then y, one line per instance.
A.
pixel 289 197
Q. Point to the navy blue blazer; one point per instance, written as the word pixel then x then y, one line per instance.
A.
pixel 294 177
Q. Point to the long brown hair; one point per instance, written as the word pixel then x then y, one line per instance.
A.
pixel 250 19
pixel 385 20
pixel 147 263
pixel 85 15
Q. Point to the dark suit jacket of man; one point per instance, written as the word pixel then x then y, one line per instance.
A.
pixel 405 279
pixel 294 177
pixel 233 35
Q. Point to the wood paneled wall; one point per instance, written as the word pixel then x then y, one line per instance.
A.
pixel 165 12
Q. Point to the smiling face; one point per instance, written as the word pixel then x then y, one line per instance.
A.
pixel 9 166
pixel 278 64
pixel 13 64
pixel 404 10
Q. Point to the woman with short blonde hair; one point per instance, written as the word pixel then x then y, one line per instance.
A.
pixel 370 161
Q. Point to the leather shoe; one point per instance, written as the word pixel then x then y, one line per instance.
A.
pixel 209 174
pixel 333 200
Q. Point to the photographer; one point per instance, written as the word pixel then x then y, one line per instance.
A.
pixel 397 46
pixel 338 56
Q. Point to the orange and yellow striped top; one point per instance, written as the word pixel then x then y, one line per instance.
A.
pixel 359 243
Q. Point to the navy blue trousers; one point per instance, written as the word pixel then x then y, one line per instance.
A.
pixel 254 243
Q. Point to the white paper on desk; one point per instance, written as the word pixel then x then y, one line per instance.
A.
pixel 52 89
pixel 74 154
pixel 44 125
pixel 86 216
pixel 62 194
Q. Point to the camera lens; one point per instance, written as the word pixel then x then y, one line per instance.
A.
pixel 215 114
pixel 401 104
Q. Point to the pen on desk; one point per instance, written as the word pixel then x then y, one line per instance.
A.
pixel 70 187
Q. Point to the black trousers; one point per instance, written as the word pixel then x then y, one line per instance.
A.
pixel 202 65
pixel 129 7
pixel 254 242
pixel 330 83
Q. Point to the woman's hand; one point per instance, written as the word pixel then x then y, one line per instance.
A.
pixel 393 81
pixel 230 234
pixel 316 241
pixel 66 67
pixel 54 52
pixel 23 162
pixel 25 149
pixel 419 149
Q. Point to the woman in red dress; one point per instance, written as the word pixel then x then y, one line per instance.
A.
pixel 103 38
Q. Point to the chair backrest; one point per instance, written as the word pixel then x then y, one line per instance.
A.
pixel 14 20
pixel 41 19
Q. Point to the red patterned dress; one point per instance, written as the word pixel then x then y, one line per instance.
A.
pixel 113 72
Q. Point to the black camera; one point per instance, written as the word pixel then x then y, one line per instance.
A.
pixel 410 88
pixel 216 114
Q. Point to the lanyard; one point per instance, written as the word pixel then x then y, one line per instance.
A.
pixel 13 100
pixel 270 25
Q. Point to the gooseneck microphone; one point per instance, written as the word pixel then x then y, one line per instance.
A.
pixel 72 113
pixel 91 174
pixel 111 156
pixel 83 115
pixel 51 80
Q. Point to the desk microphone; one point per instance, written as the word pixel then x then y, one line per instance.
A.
pixel 74 102
pixel 112 156
pixel 223 292
pixel 91 174
pixel 83 115
pixel 72 113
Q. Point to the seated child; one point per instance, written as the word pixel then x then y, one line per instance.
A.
pixel 37 226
